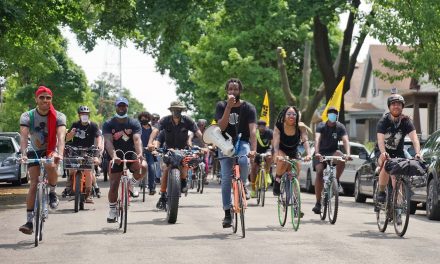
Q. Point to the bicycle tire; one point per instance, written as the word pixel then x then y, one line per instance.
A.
pixel 241 206
pixel 323 213
pixel 143 183
pixel 203 176
pixel 333 202
pixel 234 211
pixel 257 187
pixel 77 191
pixel 296 204
pixel 173 195
pixel 263 187
pixel 38 213
pixel 125 203
pixel 381 210
pixel 282 202
pixel 401 195
pixel 120 204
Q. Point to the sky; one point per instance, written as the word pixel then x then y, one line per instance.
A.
pixel 154 90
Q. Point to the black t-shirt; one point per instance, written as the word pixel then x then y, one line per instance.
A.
pixel 244 115
pixel 394 134
pixel 330 136
pixel 176 136
pixel 265 138
pixel 289 144
pixel 122 133
pixel 85 134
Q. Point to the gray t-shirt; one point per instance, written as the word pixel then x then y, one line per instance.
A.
pixel 38 134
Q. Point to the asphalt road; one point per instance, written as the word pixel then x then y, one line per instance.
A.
pixel 198 236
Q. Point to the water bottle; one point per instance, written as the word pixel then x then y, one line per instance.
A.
pixel 23 170
pixel 61 168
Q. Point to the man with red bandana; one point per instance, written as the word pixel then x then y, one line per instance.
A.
pixel 46 128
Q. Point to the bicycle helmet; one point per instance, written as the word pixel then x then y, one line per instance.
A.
pixel 83 109
pixel 395 98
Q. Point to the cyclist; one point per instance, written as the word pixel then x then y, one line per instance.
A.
pixel 264 137
pixel 391 131
pixel 326 144
pixel 175 129
pixel 144 118
pixel 85 134
pixel 46 128
pixel 124 133
pixel 195 141
pixel 235 117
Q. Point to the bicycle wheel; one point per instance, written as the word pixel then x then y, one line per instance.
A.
pixel 324 199
pixel 77 191
pixel 263 187
pixel 257 186
pixel 120 204
pixel 234 211
pixel 333 202
pixel 282 201
pixel 38 217
pixel 296 204
pixel 173 195
pixel 401 207
pixel 381 209
pixel 241 206
pixel 125 203
pixel 44 209
pixel 203 176
pixel 143 186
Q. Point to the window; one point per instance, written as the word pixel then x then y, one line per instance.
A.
pixel 6 146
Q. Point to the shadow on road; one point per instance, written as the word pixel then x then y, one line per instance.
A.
pixel 156 221
pixel 25 244
pixel 103 231
pixel 12 201
pixel 376 235
pixel 216 236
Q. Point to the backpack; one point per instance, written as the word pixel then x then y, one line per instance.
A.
pixel 414 170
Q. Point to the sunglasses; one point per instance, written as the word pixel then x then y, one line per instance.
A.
pixel 42 97
pixel 291 114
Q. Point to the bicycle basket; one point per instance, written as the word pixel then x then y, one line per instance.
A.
pixel 79 159
pixel 414 169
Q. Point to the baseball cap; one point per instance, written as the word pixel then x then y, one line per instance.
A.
pixel 121 100
pixel 332 109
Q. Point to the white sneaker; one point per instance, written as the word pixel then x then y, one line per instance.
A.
pixel 112 215
pixel 133 191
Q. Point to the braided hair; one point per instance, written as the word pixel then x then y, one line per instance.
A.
pixel 234 80
pixel 282 115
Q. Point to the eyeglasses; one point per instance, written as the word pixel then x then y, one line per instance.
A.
pixel 42 97
pixel 291 114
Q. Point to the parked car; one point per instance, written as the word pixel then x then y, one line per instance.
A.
pixel 307 175
pixel 15 135
pixel 9 167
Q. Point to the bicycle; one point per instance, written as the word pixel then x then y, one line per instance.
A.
pixel 330 192
pixel 239 196
pixel 260 180
pixel 290 195
pixel 397 204
pixel 79 160
pixel 196 172
pixel 41 204
pixel 123 198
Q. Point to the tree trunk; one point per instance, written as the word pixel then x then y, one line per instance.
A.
pixel 306 76
pixel 290 98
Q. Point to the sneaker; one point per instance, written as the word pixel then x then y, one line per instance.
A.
pixel 317 208
pixel 53 200
pixel 157 180
pixel 276 188
pixel 183 186
pixel 67 192
pixel 162 203
pixel 253 194
pixel 133 191
pixel 247 193
pixel 89 200
pixel 27 228
pixel 112 215
pixel 227 221
pixel 152 192
pixel 381 197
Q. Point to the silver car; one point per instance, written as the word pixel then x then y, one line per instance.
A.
pixel 308 175
pixel 9 167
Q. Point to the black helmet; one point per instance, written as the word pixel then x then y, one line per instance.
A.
pixel 83 109
pixel 395 98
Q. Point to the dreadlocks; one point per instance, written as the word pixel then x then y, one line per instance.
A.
pixel 282 116
pixel 234 80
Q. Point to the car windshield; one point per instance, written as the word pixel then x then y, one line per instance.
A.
pixel 6 149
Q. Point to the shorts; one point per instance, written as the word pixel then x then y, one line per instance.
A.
pixel 119 168
pixel 316 161
pixel 35 155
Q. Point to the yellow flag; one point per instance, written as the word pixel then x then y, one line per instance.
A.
pixel 213 122
pixel 335 100
pixel 265 111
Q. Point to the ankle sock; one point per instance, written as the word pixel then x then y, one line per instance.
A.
pixel 29 215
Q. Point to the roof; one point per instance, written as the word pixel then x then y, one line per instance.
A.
pixel 379 53
pixel 354 94
pixel 350 107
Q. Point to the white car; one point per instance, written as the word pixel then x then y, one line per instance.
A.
pixel 308 175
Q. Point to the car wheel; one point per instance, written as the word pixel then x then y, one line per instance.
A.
pixel 309 186
pixel 432 204
pixel 358 196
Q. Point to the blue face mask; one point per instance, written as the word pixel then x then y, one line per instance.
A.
pixel 332 117
pixel 121 116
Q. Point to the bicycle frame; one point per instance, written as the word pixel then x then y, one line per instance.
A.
pixel 328 192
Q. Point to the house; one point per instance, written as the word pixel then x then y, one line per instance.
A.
pixel 366 101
